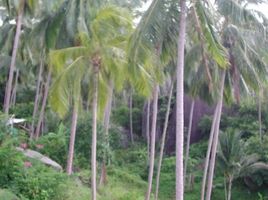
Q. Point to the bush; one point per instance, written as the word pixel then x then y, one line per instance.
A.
pixel 22 110
pixel 54 145
pixel 11 164
pixel 83 142
pixel 204 126
pixel 40 183
pixel 29 179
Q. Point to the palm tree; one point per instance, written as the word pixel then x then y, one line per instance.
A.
pixel 242 58
pixel 23 4
pixel 103 44
pixel 66 92
pixel 160 20
pixel 163 140
pixel 179 102
pixel 233 162
pixel 45 34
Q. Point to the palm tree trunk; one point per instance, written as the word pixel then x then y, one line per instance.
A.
pixel 148 129
pixel 259 115
pixel 153 133
pixel 43 107
pixel 163 141
pixel 179 103
pixel 94 136
pixel 225 189
pixel 188 140
pixel 230 188
pixel 130 117
pixel 204 180
pixel 14 91
pixel 107 114
pixel 69 168
pixel 215 140
pixel 13 58
pixel 36 100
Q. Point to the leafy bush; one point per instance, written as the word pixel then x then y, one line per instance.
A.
pixel 204 126
pixel 54 145
pixel 29 179
pixel 83 142
pixel 11 164
pixel 40 183
pixel 120 117
pixel 22 110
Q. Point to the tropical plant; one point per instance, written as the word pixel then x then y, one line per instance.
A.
pixel 233 161
pixel 246 67
pixel 103 45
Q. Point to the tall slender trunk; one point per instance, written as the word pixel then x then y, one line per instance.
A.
pixel 94 135
pixel 215 140
pixel 13 58
pixel 37 97
pixel 188 140
pixel 148 129
pixel 259 114
pixel 107 113
pixel 106 123
pixel 225 189
pixel 14 91
pixel 163 141
pixel 69 168
pixel 43 107
pixel 153 133
pixel 230 188
pixel 204 180
pixel 130 117
pixel 179 103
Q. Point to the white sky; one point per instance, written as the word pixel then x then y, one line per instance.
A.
pixel 262 7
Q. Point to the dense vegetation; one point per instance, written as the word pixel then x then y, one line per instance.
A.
pixel 129 100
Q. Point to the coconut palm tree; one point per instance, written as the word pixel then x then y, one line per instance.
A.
pixel 233 161
pixel 246 66
pixel 20 9
pixel 101 56
pixel 179 102
pixel 154 24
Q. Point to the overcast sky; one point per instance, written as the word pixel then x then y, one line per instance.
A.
pixel 261 7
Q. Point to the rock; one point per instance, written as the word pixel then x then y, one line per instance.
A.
pixel 38 156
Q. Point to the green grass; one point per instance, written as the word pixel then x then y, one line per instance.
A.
pixel 7 195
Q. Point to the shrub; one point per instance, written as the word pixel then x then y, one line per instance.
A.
pixel 54 145
pixel 40 183
pixel 11 164
pixel 29 179
pixel 22 110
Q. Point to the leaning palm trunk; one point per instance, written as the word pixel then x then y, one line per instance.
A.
pixel 163 141
pixel 204 180
pixel 94 136
pixel 259 114
pixel 188 140
pixel 14 91
pixel 69 168
pixel 43 107
pixel 153 133
pixel 179 103
pixel 215 140
pixel 106 123
pixel 36 99
pixel 13 58
pixel 148 129
pixel 130 117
